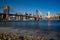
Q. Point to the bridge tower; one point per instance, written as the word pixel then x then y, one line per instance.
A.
pixel 6 12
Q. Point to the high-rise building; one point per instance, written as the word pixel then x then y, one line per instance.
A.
pixel 37 11
pixel 39 14
pixel 32 13
pixel 48 14
pixel 25 13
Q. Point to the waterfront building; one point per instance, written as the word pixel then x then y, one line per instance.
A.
pixel 48 14
pixel 39 14
pixel 32 13
pixel 48 17
pixel 56 17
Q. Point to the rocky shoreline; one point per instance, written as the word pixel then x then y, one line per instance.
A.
pixel 9 33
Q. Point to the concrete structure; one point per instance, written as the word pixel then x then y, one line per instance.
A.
pixel 6 12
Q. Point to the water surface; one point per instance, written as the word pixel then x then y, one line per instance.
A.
pixel 43 24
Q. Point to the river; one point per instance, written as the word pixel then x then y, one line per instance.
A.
pixel 43 24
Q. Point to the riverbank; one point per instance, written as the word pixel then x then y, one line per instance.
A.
pixel 24 20
pixel 11 33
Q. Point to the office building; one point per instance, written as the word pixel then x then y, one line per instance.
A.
pixel 48 14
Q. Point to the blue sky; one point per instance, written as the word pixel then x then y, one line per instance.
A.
pixel 30 6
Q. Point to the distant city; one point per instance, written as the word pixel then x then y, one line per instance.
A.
pixel 6 16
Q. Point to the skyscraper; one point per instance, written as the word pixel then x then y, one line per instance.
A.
pixel 48 14
pixel 38 13
pixel 32 13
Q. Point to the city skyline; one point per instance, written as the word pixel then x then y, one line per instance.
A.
pixel 30 6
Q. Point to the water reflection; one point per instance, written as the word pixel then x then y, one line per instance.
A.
pixel 5 24
pixel 49 25
pixel 32 24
